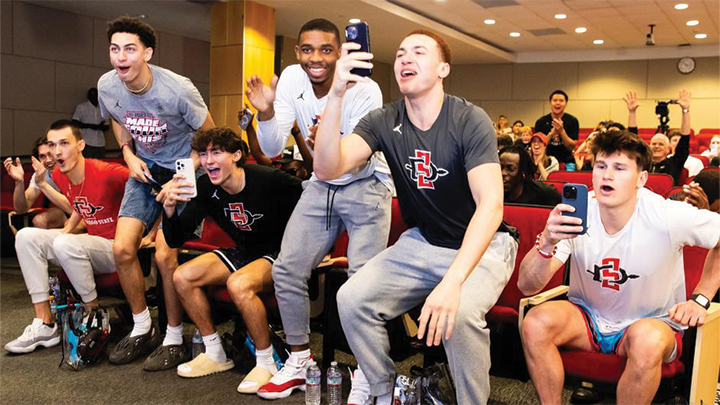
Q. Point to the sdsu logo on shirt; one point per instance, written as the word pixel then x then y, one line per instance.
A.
pixel 241 218
pixel 147 130
pixel 423 171
pixel 610 274
pixel 88 211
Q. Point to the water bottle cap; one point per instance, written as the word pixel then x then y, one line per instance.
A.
pixel 333 364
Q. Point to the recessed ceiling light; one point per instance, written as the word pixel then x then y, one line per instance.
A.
pixel 560 16
pixel 580 30
pixel 514 34
pixel 700 36
pixel 598 42
pixel 354 21
pixel 489 21
pixel 692 23
pixel 681 6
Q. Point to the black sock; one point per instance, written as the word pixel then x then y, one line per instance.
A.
pixel 49 325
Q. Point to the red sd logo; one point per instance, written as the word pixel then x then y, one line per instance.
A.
pixel 423 171
pixel 241 218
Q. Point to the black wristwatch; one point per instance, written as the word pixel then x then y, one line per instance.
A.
pixel 701 300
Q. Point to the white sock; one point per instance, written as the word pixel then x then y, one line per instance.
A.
pixel 142 323
pixel 264 359
pixel 301 356
pixel 384 399
pixel 173 335
pixel 214 348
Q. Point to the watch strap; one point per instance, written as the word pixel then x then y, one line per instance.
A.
pixel 701 300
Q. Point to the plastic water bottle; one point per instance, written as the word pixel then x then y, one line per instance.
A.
pixel 313 379
pixel 334 384
pixel 197 344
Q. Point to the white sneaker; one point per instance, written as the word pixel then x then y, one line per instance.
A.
pixel 359 389
pixel 36 334
pixel 287 380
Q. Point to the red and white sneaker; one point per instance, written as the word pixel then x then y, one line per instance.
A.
pixel 287 380
pixel 359 389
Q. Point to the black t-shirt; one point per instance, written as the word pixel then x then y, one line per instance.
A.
pixel 536 193
pixel 558 149
pixel 254 218
pixel 430 167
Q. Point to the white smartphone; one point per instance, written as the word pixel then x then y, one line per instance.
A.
pixel 187 167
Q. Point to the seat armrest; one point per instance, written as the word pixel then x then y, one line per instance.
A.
pixel 537 299
pixel 707 358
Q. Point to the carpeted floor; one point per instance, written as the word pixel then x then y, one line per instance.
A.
pixel 36 379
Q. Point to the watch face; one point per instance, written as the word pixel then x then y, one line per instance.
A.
pixel 686 65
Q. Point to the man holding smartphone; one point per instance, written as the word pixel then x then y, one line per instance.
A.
pixel 621 300
pixel 358 201
pixel 457 255
pixel 155 114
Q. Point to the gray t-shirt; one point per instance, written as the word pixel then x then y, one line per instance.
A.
pixel 430 167
pixel 162 121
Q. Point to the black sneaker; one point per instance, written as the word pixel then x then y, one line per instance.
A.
pixel 167 357
pixel 129 348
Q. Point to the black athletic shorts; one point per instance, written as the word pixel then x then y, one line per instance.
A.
pixel 235 259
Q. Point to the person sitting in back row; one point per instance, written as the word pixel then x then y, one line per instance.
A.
pixel 518 171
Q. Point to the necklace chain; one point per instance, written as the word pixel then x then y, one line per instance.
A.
pixel 141 90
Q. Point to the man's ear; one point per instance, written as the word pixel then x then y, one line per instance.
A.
pixel 297 52
pixel 148 54
pixel 444 70
pixel 81 145
pixel 642 179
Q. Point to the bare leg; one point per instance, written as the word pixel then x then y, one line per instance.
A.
pixel 167 261
pixel 125 248
pixel 546 327
pixel 42 311
pixel 52 218
pixel 244 285
pixel 189 279
pixel 647 343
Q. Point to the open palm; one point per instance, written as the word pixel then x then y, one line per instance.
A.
pixel 261 96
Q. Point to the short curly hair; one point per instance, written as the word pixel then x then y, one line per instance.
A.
pixel 133 25
pixel 222 138
pixel 624 141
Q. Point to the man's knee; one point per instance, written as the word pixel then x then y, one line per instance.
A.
pixel 27 235
pixel 124 251
pixel 65 245
pixel 239 288
pixel 181 280
pixel 648 342
pixel 41 221
pixel 166 259
pixel 537 325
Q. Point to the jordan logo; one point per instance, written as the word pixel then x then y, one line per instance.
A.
pixel 397 129
pixel 215 196
pixel 301 96
pixel 117 104
pixel 423 171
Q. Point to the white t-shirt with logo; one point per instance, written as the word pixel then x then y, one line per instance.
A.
pixel 162 121
pixel 638 272
pixel 295 101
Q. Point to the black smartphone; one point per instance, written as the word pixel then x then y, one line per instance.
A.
pixel 245 119
pixel 577 196
pixel 359 33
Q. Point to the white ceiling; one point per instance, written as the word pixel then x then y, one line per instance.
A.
pixel 622 24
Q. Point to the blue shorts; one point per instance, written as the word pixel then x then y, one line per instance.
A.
pixel 139 203
pixel 609 343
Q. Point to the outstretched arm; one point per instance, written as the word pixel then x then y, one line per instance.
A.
pixel 632 106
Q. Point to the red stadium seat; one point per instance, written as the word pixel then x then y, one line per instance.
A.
pixel 572 177
pixel 660 183
pixel 557 184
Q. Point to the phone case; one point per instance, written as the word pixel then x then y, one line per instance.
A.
pixel 359 33
pixel 187 167
pixel 580 202
pixel 245 119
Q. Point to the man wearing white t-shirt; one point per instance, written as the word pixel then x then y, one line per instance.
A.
pixel 358 201
pixel 621 300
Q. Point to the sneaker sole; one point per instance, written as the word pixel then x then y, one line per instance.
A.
pixel 280 394
pixel 28 349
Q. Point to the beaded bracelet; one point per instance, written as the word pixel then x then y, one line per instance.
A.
pixel 542 252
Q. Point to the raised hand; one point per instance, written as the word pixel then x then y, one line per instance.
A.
pixel 684 99
pixel 16 170
pixel 40 171
pixel 343 79
pixel 631 101
pixel 261 96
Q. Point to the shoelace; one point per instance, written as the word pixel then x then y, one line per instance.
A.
pixel 289 370
pixel 28 333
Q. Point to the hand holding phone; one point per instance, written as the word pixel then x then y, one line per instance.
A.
pixel 245 118
pixel 576 195
pixel 187 168
pixel 360 34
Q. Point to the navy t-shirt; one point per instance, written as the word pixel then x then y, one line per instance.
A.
pixel 430 167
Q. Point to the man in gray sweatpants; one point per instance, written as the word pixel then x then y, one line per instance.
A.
pixel 457 255
pixel 359 201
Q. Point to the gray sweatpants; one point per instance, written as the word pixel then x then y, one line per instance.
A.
pixel 399 279
pixel 362 207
